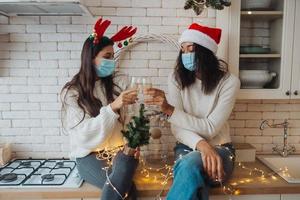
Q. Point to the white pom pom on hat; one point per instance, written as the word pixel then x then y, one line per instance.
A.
pixel 207 37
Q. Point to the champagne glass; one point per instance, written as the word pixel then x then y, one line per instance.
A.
pixel 146 83
pixel 133 85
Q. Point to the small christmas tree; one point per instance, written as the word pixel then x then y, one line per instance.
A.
pixel 137 133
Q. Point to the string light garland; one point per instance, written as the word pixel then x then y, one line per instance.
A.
pixel 165 173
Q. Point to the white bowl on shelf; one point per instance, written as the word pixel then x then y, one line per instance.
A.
pixel 256 4
pixel 255 78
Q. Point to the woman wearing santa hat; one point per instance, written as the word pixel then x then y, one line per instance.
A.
pixel 91 104
pixel 201 95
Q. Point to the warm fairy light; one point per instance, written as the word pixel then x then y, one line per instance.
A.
pixel 249 12
pixel 233 184
pixel 237 192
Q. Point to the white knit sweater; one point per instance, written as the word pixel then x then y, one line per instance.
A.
pixel 93 133
pixel 198 116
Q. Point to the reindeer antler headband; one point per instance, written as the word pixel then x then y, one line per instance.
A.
pixel 101 26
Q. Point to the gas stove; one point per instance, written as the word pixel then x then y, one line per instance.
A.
pixel 33 173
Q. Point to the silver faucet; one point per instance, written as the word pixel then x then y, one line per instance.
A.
pixel 286 149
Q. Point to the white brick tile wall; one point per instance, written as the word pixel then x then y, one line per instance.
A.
pixel 21 55
pixel 24 20
pixel 131 11
pixel 3 20
pixel 15 114
pixel 55 20
pixel 116 3
pixel 43 63
pixel 41 28
pixel 103 11
pixel 13 98
pixel 24 123
pixel 91 2
pixel 24 72
pixel 12 29
pixel 173 4
pixel 38 55
pixel 52 55
pixel 5 123
pixel 146 20
pixel 70 46
pixel 56 37
pixel 24 37
pixel 42 81
pixel 25 106
pixel 12 46
pixel 4 54
pixel 17 89
pixel 163 29
pixel 41 46
pixel 4 106
pixel 42 97
pixel 160 12
pixel 71 28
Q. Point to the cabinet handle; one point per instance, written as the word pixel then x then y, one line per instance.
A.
pixel 287 93
pixel 296 92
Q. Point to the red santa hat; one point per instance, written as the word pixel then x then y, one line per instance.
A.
pixel 205 36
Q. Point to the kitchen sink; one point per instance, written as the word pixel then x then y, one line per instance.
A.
pixel 286 167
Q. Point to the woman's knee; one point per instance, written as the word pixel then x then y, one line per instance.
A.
pixel 192 162
pixel 228 162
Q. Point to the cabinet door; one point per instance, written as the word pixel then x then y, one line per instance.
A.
pixel 290 196
pixel 295 86
pixel 247 197
pixel 281 40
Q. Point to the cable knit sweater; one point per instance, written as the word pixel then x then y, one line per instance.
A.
pixel 198 116
pixel 93 133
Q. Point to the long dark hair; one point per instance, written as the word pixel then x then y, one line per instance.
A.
pixel 208 66
pixel 84 81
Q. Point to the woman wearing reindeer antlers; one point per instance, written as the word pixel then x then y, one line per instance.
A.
pixel 91 104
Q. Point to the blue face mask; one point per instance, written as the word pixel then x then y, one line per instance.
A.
pixel 188 60
pixel 106 67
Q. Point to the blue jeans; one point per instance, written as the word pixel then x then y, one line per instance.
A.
pixel 121 175
pixel 190 181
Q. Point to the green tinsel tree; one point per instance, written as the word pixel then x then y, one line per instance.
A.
pixel 137 133
pixel 199 5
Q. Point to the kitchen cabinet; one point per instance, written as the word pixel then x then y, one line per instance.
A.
pixel 295 84
pixel 248 197
pixel 290 197
pixel 263 39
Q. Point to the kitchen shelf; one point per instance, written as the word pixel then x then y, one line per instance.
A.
pixel 260 55
pixel 262 15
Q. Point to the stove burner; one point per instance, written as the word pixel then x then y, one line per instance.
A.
pixel 26 163
pixel 48 177
pixel 10 177
pixel 59 164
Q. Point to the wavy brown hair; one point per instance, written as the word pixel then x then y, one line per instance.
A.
pixel 84 81
pixel 210 69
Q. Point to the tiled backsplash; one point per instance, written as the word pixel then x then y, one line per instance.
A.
pixel 39 54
